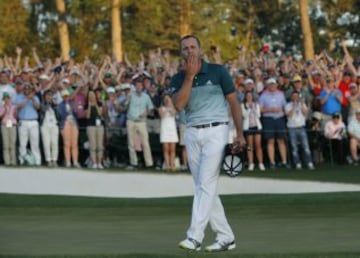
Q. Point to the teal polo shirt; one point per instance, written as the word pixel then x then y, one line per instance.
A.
pixel 207 103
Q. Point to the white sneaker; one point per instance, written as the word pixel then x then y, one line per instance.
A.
pixel 99 166
pixel 261 167
pixel 298 166
pixel 218 246
pixel 94 166
pixel 311 166
pixel 77 165
pixel 251 167
pixel 190 244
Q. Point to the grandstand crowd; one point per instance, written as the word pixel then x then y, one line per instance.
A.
pixel 297 113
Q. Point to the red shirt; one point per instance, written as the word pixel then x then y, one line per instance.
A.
pixel 345 90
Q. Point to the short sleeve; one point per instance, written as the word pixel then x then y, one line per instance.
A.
pixel 226 81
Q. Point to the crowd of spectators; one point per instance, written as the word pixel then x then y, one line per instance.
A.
pixel 303 112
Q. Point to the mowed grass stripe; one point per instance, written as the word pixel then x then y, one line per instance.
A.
pixel 289 225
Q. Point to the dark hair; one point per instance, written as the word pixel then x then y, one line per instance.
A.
pixel 189 37
pixel 245 101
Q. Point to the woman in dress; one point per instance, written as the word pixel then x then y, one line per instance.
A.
pixel 168 132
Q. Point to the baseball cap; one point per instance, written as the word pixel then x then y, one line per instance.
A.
pixel 336 115
pixel 353 85
pixel 297 78
pixel 125 86
pixel 315 71
pixel 271 81
pixel 108 75
pixel 65 92
pixel 65 80
pixel 44 77
pixel 249 81
pixel 110 90
pixel 317 115
pixel 287 75
pixel 6 95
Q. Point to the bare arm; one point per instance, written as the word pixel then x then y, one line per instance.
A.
pixel 236 113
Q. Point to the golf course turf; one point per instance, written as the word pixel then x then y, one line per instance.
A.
pixel 301 225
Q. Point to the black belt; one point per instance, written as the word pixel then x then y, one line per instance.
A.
pixel 210 125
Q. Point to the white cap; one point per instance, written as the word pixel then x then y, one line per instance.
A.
pixel 110 90
pixel 44 77
pixel 125 86
pixel 65 80
pixel 249 81
pixel 270 81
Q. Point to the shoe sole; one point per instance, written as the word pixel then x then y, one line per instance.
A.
pixel 189 249
pixel 228 248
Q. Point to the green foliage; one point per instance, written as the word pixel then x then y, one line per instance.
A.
pixel 147 25
pixel 13 29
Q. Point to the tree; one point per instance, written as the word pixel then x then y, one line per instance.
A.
pixel 116 31
pixel 185 12
pixel 63 30
pixel 306 29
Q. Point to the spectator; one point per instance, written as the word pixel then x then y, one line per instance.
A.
pixel 316 137
pixel 124 93
pixel 138 105
pixel 27 109
pixel 5 85
pixel 252 130
pixel 354 134
pixel 95 130
pixel 8 129
pixel 49 122
pixel 354 101
pixel 345 90
pixel 153 119
pixel 296 112
pixel 168 132
pixel 69 130
pixel 304 94
pixel 330 99
pixel 335 132
pixel 272 103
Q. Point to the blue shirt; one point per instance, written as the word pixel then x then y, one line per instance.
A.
pixel 207 101
pixel 273 99
pixel 332 104
pixel 138 104
pixel 28 112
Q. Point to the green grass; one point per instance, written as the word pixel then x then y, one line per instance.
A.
pixel 305 225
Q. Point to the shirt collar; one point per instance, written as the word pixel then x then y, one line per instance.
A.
pixel 204 66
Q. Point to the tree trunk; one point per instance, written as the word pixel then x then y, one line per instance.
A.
pixel 185 10
pixel 306 30
pixel 63 30
pixel 116 31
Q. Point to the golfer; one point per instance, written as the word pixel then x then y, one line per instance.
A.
pixel 205 90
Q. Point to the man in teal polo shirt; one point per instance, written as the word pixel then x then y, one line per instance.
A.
pixel 206 91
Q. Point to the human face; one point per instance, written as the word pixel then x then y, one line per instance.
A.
pixel 190 47
pixel 139 87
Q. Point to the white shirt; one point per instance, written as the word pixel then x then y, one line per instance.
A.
pixel 296 119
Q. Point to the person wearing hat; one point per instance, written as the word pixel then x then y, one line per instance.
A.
pixel 28 105
pixel 296 112
pixel 316 83
pixel 354 100
pixel 69 130
pixel 354 135
pixel 8 129
pixel 299 87
pixel 272 102
pixel 5 86
pixel 335 132
pixel 49 128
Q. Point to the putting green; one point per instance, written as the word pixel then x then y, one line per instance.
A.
pixel 307 225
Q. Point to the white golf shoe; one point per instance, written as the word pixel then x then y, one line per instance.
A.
pixel 190 244
pixel 219 247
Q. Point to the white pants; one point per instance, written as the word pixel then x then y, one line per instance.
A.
pixel 50 140
pixel 205 149
pixel 29 130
